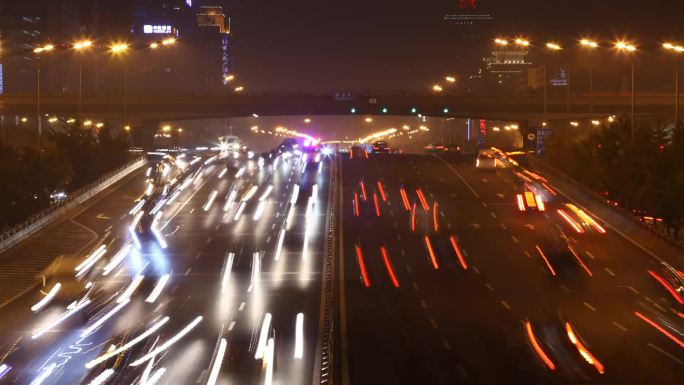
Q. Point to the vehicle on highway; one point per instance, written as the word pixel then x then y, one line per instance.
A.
pixel 559 347
pixel 529 200
pixel 486 160
pixel 434 148
pixel 558 254
pixel 671 279
pixel 579 220
pixel 357 152
pixel 381 147
pixel 229 142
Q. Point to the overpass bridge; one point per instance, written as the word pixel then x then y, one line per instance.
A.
pixel 167 107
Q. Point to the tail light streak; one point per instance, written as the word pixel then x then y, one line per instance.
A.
pixel 431 252
pixel 404 198
pixel 435 217
pixel 363 191
pixel 584 352
pixel 459 254
pixel 660 329
pixel 537 348
pixel 423 201
pixel 362 266
pixel 356 204
pixel 376 204
pixel 383 195
pixel 570 221
pixel 548 264
pixel 388 266
pixel 579 260
pixel 667 287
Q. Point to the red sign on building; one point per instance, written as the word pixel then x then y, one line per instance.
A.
pixel 467 4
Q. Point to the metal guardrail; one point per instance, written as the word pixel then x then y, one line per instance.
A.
pixel 37 221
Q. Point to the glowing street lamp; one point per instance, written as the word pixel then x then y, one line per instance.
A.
pixel 590 45
pixel 118 48
pixel 677 50
pixel 553 46
pixel 501 42
pixel 239 89
pixel 450 79
pixel 39 50
pixel 369 120
pixel 437 88
pixel 628 48
pixel 154 45
pixel 169 41
pixel 522 42
pixel 83 44
pixel 229 78
pixel 80 46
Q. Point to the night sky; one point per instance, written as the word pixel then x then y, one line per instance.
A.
pixel 318 45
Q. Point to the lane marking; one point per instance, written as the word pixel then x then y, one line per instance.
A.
pixel 446 345
pixel 489 286
pixel 472 190
pixel 242 306
pixel 669 355
pixel 199 253
pixel 506 305
pixel 590 255
pixel 232 325
pixel 503 226
pixel 475 269
pixel 434 324
pixel 617 325
pixel 484 204
pixel 565 288
pixel 528 254
pixel 408 269
pixel 610 272
pixel 514 239
pixel 423 304
pixel 589 306
pixel 187 271
pixel 415 286
pixel 492 214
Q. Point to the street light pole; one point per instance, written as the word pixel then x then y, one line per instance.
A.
pixel 125 101
pixel 80 93
pixel 632 118
pixel 39 120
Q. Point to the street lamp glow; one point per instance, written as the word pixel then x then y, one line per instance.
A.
pixel 450 79
pixel 83 44
pixel 117 48
pixel 522 42
pixel 501 42
pixel 45 48
pixel 229 78
pixel 369 120
pixel 154 45
pixel 166 128
pixel 127 127
pixel 169 41
pixel 673 47
pixel 88 123
pixel 625 46
pixel 553 46
pixel 588 43
pixel 307 120
pixel 239 88
pixel 437 88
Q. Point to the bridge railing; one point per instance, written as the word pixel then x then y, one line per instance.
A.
pixel 39 220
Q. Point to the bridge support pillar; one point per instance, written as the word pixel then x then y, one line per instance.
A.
pixel 143 136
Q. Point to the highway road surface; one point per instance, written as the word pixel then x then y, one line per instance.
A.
pixel 230 296
pixel 419 311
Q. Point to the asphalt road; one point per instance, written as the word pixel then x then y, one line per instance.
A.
pixel 444 324
pixel 232 299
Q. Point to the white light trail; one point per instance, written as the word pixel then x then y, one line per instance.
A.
pixel 104 318
pixel 128 345
pixel 149 189
pixel 206 162
pixel 230 200
pixel 216 367
pixel 158 206
pixel 117 258
pixel 290 217
pixel 144 377
pixel 174 196
pixel 155 231
pixel 132 287
pixel 148 172
pixel 4 368
pixel 168 343
pixel 51 324
pixel 266 193
pixel 45 300
pixel 314 192
pixel 240 172
pixel 212 196
pixel 295 194
pixel 259 210
pixel 239 211
pixel 270 352
pixel 90 260
pixel 44 375
pixel 222 173
pixel 249 194
pixel 263 336
pixel 156 376
pixel 320 167
pixel 227 272
pixel 137 207
pixel 102 377
pixel 279 245
pixel 256 270
pixel 299 337
pixel 163 280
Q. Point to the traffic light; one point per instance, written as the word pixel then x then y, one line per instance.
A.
pixel 385 110
pixel 414 110
pixel 353 110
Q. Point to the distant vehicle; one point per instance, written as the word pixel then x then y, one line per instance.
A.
pixel 357 152
pixel 229 142
pixel 434 148
pixel 528 200
pixel 452 149
pixel 381 147
pixel 486 160
pixel 579 220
